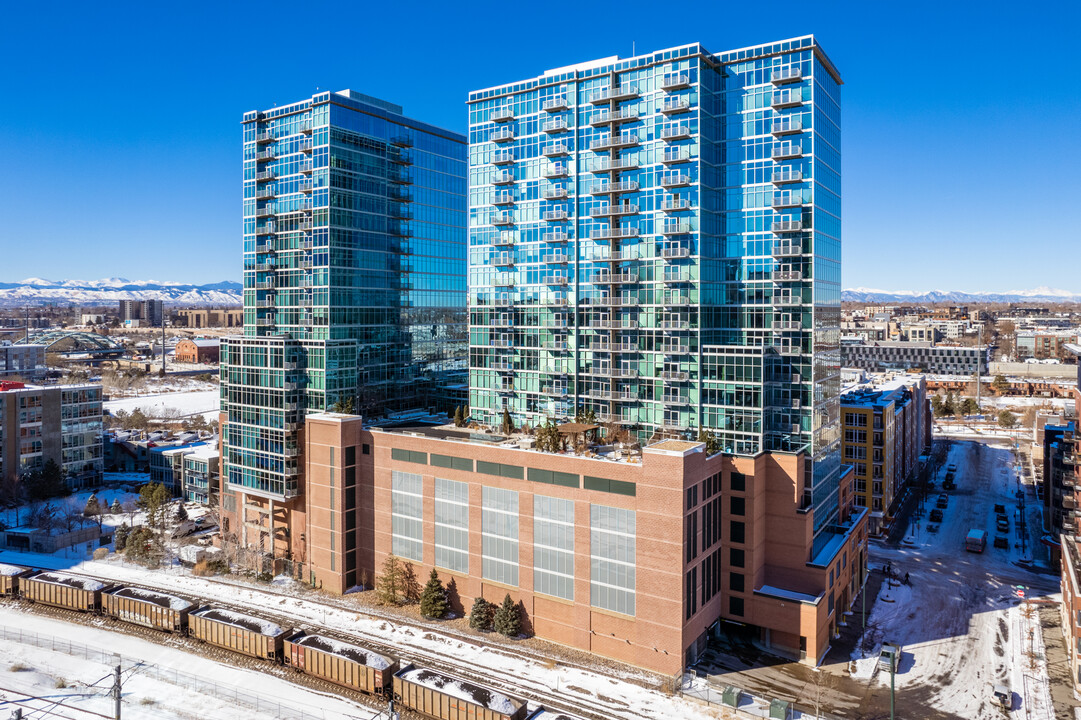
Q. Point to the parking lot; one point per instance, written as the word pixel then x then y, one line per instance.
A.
pixel 961 624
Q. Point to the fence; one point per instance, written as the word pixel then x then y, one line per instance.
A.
pixel 226 693
pixel 749 706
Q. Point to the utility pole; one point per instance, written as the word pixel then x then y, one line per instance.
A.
pixel 116 693
pixel 893 670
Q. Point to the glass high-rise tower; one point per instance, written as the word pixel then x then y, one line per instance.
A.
pixel 354 282
pixel 657 239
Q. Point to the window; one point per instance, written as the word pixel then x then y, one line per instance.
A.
pixel 735 606
pixel 452 525
pixel 406 515
pixel 366 449
pixel 735 531
pixel 735 582
pixel 553 546
pixel 350 456
pixel 612 558
pixel 736 557
pixel 737 481
pixel 691 597
pixel 412 456
pixel 499 535
pixel 737 505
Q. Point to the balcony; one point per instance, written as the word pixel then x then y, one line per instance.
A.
pixel 607 278
pixel 503 239
pixel 624 301
pixel 556 237
pixel 670 227
pixel 267 193
pixel 625 395
pixel 786 275
pixel 264 137
pixel 265 176
pixel 556 215
pixel 502 178
pixel 264 211
pixel 675 325
pixel 264 248
pixel 265 155
pixel 676 277
pixel 502 157
pixel 305 127
pixel 503 199
pixel 622 92
pixel 787 325
pixel 675 399
pixel 786 200
pixel 786 151
pixel 606 117
pixel 306 245
pixel 613 233
pixel 504 280
pixel 676 301
pixel 783 177
pixel 500 115
pixel 673 105
pixel 609 164
pixel 788 126
pixel 674 180
pixel 555 258
pixel 613 142
pixel 502 342
pixel 502 322
pixel 554 193
pixel 305 186
pixel 506 388
pixel 556 125
pixel 783 249
pixel 555 150
pixel 402 141
pixel 674 253
pixel 555 300
pixel 613 210
pixel 555 170
pixel 556 345
pixel 305 264
pixel 674 375
pixel 788 348
pixel 400 158
pixel 676 155
pixel 675 204
pixel 554 280
pixel 790 74
pixel 306 146
pixel 675 81
pixel 555 390
pixel 304 225
pixel 306 167
pixel 504 301
pixel 265 285
pixel 503 218
pixel 267 229
pixel 265 267
pixel 676 132
pixel 605 188
pixel 554 104
pixel 786 99
pixel 501 135
pixel 503 259
pixel 787 300
pixel 676 348
pixel 787 226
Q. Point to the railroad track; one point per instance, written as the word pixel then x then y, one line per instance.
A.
pixel 535 691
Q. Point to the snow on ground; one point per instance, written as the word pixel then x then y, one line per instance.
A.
pixel 12 517
pixel 598 689
pixel 170 405
pixel 144 698
pixel 960 622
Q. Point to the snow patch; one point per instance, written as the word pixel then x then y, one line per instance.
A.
pixel 463 690
pixel 245 622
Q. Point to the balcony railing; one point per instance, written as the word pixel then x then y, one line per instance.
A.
pixel 558 345
pixel 555 258
pixel 605 117
pixel 555 170
pixel 786 75
pixel 786 98
pixel 785 151
pixel 613 233
pixel 502 157
pixel 307 167
pixel 502 135
pixel 676 132
pixel 788 175
pixel 613 210
pixel 614 141
pixel 555 237
pixel 556 125
pixel 502 178
pixel 266 194
pixel 676 301
pixel 555 104
pixel 554 215
pixel 675 228
pixel 676 277
pixel 787 300
pixel 305 186
pixel 305 146
pixel 554 280
pixel 503 114
pixel 673 325
pixel 786 200
pixel 503 259
pixel 605 188
pixel 675 81
pixel 787 325
pixel 554 193
pixel 265 155
pixel 265 175
pixel 503 218
pixel 504 280
pixel 503 199
pixel 605 164
pixel 264 137
pixel 787 275
pixel 503 239
pixel 675 399
pixel 606 278
pixel 675 204
pixel 783 249
pixel 672 105
pixel 673 180
pixel 787 126
pixel 555 150
pixel 786 226
pixel 622 92
pixel 674 375
pixel 673 253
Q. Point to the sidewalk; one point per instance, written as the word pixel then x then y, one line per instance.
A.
pixel 1058 665
pixel 841 648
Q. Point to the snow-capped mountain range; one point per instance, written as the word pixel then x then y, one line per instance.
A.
pixel 1040 294
pixel 39 291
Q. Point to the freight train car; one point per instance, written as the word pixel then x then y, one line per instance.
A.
pixel 9 578
pixel 542 714
pixel 244 634
pixel 147 608
pixel 440 696
pixel 341 663
pixel 63 591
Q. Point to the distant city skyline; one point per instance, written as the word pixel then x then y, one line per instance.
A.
pixel 121 161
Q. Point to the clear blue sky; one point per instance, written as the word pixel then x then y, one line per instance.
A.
pixel 120 122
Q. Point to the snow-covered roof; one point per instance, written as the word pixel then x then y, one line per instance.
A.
pixel 10 569
pixel 203 342
pixel 787 594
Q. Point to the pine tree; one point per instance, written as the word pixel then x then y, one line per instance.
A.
pixel 480 616
pixel 459 419
pixel 121 537
pixel 507 620
pixel 93 507
pixel 181 512
pixel 388 585
pixel 433 599
pixel 508 425
pixel 115 508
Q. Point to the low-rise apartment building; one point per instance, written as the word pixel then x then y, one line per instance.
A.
pixel 200 474
pixel 60 423
pixel 26 362
pixel 1045 344
pixel 233 318
pixel 885 431
pixel 633 555
pixel 923 356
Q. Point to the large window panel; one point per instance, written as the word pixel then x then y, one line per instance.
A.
pixel 452 525
pixel 553 546
pixel 407 515
pixel 499 536
pixel 612 558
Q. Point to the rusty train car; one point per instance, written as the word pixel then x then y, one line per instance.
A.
pixel 342 663
pixel 147 608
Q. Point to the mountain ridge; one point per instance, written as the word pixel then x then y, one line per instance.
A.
pixel 41 291
pixel 1040 294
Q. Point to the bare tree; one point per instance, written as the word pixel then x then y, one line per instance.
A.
pixel 821 689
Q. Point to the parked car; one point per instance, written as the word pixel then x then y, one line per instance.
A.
pixel 943 501
pixel 936 515
pixel 1001 541
pixel 1000 509
pixel 889 657
pixel 1003 696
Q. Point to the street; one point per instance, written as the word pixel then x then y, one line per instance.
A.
pixel 961 623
